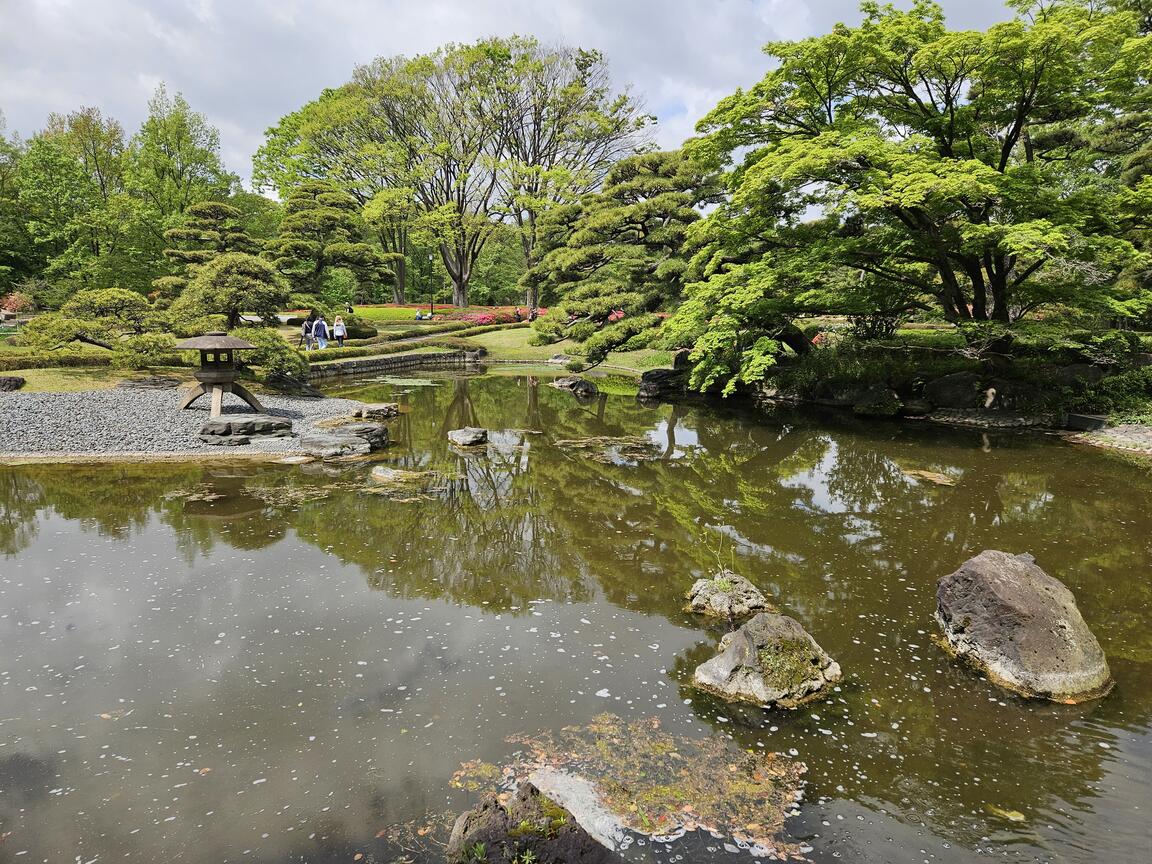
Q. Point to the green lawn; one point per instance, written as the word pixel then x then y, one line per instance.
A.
pixel 73 380
pixel 513 345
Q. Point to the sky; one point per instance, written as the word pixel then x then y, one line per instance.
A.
pixel 246 63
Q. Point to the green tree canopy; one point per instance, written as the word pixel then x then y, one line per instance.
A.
pixel 621 250
pixel 469 136
pixel 209 229
pixel 232 285
pixel 900 163
pixel 322 230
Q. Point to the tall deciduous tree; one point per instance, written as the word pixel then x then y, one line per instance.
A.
pixel 618 258
pixel 474 134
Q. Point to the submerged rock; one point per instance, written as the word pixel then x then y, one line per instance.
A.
pixel 399 477
pixel 727 595
pixel 469 436
pixel 580 387
pixel 501 833
pixel 1021 627
pixel 770 661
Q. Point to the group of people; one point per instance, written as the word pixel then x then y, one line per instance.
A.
pixel 532 314
pixel 315 332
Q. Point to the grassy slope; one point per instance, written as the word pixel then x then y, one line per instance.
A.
pixel 513 345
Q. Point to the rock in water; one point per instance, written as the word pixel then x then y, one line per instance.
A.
pixel 501 834
pixel 582 388
pixel 469 436
pixel 350 439
pixel 770 661
pixel 1021 627
pixel 727 595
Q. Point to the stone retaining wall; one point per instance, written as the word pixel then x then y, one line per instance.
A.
pixel 387 363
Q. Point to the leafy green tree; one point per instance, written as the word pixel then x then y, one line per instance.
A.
pixel 232 285
pixel 460 140
pixel 618 258
pixel 97 316
pixel 19 258
pixel 174 160
pixel 942 167
pixel 321 231
pixel 209 229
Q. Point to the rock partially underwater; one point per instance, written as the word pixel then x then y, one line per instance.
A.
pixel 727 595
pixel 622 780
pixel 1021 627
pixel 770 661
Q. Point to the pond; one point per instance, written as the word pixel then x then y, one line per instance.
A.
pixel 220 662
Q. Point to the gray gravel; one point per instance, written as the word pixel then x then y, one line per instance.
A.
pixel 141 421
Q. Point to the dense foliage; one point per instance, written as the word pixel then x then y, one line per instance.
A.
pixel 616 258
pixel 451 144
pixel 899 166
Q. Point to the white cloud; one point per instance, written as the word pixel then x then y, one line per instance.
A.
pixel 245 64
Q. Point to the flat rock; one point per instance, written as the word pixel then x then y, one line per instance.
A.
pixel 770 661
pixel 328 444
pixel 576 385
pixel 727 595
pixel 529 822
pixel 226 440
pixel 151 382
pixel 246 424
pixel 1021 627
pixel 469 436
pixel 398 477
pixel 11 383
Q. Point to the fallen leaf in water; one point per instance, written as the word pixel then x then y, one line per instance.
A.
pixel 423 831
pixel 357 856
pixel 1010 815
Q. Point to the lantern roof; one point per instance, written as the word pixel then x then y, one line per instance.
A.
pixel 214 342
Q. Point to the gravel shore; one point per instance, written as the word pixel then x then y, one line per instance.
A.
pixel 124 421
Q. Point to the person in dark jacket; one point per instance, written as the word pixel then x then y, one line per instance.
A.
pixel 320 333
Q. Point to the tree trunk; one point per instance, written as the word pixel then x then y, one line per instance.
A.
pixel 399 284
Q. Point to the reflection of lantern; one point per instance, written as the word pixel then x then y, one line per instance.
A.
pixel 217 372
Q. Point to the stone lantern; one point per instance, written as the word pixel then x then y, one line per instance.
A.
pixel 217 372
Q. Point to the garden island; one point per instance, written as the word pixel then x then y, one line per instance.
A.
pixel 489 479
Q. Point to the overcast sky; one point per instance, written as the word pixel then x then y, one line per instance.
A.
pixel 246 63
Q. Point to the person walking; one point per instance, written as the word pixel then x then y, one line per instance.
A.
pixel 306 332
pixel 320 333
pixel 339 331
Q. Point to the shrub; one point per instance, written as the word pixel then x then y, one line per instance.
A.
pixel 18 303
pixel 273 354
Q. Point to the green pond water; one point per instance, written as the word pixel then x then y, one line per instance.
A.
pixel 217 663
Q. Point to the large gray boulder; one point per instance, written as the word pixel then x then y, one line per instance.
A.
pixel 770 661
pixel 499 833
pixel 656 384
pixel 1020 627
pixel 726 595
pixel 351 439
pixel 469 436
pixel 10 383
pixel 958 390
